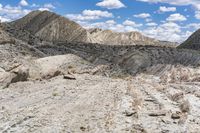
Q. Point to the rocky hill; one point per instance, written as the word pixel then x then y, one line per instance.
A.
pixel 125 38
pixel 193 42
pixel 40 26
pixel 49 26
pixel 129 38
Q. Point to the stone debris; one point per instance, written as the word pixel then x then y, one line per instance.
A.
pixel 158 113
pixel 185 106
pixel 175 116
pixel 68 76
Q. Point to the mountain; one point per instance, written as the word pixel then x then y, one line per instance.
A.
pixel 193 42
pixel 110 37
pixel 49 26
pixel 40 26
pixel 126 38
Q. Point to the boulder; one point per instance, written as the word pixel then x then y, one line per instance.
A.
pixel 5 79
pixel 22 74
pixel 68 76
pixel 185 106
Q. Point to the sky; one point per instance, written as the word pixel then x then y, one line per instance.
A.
pixel 168 20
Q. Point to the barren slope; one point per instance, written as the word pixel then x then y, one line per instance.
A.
pixel 193 42
pixel 126 38
pixel 39 26
pixel 49 26
pixel 91 103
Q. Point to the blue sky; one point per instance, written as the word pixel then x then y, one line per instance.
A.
pixel 170 20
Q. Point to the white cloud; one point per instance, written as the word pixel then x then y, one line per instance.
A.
pixel 23 3
pixel 195 3
pixel 148 20
pixel 110 22
pixel 2 19
pixel 193 26
pixel 88 15
pixel 131 23
pixel 197 14
pixel 167 9
pixel 142 15
pixel 49 6
pixel 109 25
pixel 34 5
pixel 111 4
pixel 9 13
pixel 151 24
pixel 80 17
pixel 176 17
pixel 169 31
pixel 44 9
pixel 98 13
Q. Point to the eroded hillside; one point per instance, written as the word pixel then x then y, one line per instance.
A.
pixel 193 42
pixel 62 86
pixel 40 26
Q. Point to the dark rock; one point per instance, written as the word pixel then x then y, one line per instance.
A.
pixel 158 113
pixel 185 106
pixel 175 116
pixel 71 77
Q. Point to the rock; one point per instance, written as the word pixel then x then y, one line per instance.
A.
pixel 6 79
pixel 14 66
pixel 2 70
pixel 130 113
pixel 68 76
pixel 158 113
pixel 138 128
pixel 185 106
pixel 197 94
pixel 175 116
pixel 82 129
pixel 16 75
pixel 22 74
pixel 51 73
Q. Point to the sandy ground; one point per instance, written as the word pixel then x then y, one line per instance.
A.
pixel 99 104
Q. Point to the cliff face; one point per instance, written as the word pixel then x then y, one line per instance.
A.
pixel 193 42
